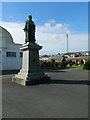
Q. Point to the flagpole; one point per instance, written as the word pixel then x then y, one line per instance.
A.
pixel 67 41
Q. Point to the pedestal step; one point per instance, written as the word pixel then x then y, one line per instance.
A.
pixel 43 80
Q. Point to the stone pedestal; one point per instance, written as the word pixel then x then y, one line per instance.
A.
pixel 31 72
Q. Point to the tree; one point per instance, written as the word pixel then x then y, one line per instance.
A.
pixel 53 62
pixel 87 65
pixel 56 64
pixel 70 63
pixel 81 62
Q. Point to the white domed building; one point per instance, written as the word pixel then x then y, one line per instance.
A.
pixel 10 53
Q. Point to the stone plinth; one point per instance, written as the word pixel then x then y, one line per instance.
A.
pixel 31 72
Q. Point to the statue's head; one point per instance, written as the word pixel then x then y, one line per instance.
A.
pixel 29 17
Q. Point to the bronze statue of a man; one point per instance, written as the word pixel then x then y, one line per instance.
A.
pixel 29 30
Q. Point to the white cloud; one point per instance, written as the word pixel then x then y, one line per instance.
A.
pixel 58 25
pixel 51 21
pixel 47 24
pixel 57 28
pixel 52 38
pixel 11 17
pixel 16 30
pixel 57 43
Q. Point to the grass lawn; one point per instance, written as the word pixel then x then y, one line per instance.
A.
pixel 59 67
pixel 54 67
pixel 84 70
pixel 76 66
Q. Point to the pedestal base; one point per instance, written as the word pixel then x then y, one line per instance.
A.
pixel 31 73
pixel 17 79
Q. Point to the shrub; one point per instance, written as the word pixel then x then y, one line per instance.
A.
pixel 81 62
pixel 44 64
pixel 63 63
pixel 53 62
pixel 70 63
pixel 56 64
pixel 49 64
pixel 87 65
pixel 59 63
pixel 77 62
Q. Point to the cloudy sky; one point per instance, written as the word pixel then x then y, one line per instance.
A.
pixel 53 20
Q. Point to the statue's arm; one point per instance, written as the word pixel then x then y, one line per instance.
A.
pixel 34 26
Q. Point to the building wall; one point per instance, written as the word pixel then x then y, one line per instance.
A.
pixel 0 61
pixel 7 45
pixel 11 63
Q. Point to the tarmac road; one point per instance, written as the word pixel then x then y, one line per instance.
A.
pixel 65 97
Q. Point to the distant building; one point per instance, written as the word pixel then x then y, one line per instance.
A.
pixel 77 54
pixel 73 59
pixel 10 53
pixel 57 57
pixel 87 53
pixel 48 58
pixel 45 58
pixel 71 54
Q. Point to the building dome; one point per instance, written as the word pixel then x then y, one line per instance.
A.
pixel 5 36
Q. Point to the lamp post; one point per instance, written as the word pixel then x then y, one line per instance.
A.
pixel 67 41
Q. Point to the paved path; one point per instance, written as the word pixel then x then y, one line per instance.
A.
pixel 65 97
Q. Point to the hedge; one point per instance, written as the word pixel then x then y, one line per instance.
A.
pixel 87 65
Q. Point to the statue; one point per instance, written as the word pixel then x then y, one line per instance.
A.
pixel 31 72
pixel 29 30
